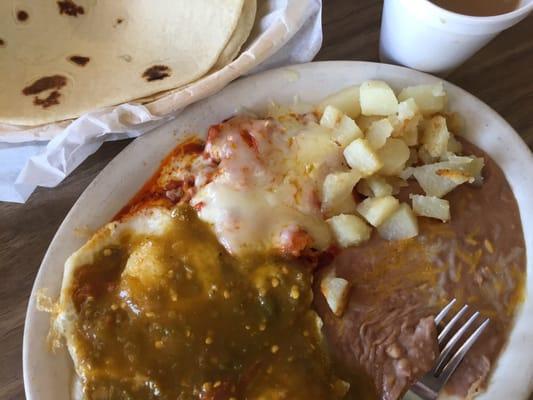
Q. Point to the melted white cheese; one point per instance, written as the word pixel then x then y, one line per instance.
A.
pixel 266 192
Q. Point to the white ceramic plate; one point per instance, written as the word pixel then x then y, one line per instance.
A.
pixel 48 376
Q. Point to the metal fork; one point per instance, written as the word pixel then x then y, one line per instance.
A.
pixel 429 386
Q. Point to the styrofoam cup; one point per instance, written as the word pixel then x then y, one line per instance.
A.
pixel 424 36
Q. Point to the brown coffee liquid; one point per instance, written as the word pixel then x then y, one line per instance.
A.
pixel 478 8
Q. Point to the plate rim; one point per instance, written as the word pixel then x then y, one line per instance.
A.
pixel 515 141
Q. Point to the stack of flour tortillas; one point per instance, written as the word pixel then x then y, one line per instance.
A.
pixel 61 59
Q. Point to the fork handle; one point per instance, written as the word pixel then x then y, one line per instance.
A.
pixel 420 392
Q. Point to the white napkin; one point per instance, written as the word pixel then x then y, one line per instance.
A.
pixel 44 156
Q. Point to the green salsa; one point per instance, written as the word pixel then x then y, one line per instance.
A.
pixel 196 323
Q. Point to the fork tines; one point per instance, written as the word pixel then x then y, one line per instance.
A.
pixel 446 363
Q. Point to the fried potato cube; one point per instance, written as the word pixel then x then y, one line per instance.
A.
pixel 410 131
pixel 432 207
pixel 471 165
pixel 375 186
pixel 407 173
pixel 345 130
pixel 454 146
pixel 379 186
pixel 331 117
pixel 346 100
pixel 425 157
pixel 379 132
pixel 396 183
pixel 409 118
pixel 441 178
pixel 455 123
pixel 430 99
pixel 360 156
pixel 394 154
pixel 397 125
pixel 407 109
pixel 364 121
pixel 349 230
pixel 377 98
pixel 336 292
pixel 475 168
pixel 435 137
pixel 315 146
pixel 337 193
pixel 402 224
pixel 377 209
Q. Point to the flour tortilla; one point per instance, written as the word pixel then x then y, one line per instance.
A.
pixel 170 42
pixel 240 35
pixel 230 52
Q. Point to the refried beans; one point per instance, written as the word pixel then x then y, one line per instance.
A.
pixel 386 338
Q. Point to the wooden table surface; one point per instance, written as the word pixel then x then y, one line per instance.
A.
pixel 500 75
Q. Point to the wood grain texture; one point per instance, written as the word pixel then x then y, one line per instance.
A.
pixel 500 75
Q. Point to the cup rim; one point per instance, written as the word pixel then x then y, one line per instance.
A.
pixel 473 18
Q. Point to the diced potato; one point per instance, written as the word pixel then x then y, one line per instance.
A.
pixel 454 146
pixel 346 100
pixel 360 156
pixel 395 122
pixel 377 98
pixel 409 132
pixel 315 146
pixel 455 175
pixel 475 168
pixel 349 230
pixel 432 207
pixel 377 209
pixel 441 178
pixel 455 123
pixel 396 183
pixel 345 130
pixel 337 193
pixel 379 186
pixel 336 292
pixel 407 173
pixel 471 165
pixel 402 224
pixel 425 157
pixel 459 160
pixel 407 109
pixel 435 137
pixel 405 123
pixel 364 121
pixel 430 99
pixel 379 132
pixel 397 125
pixel 331 117
pixel 394 154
